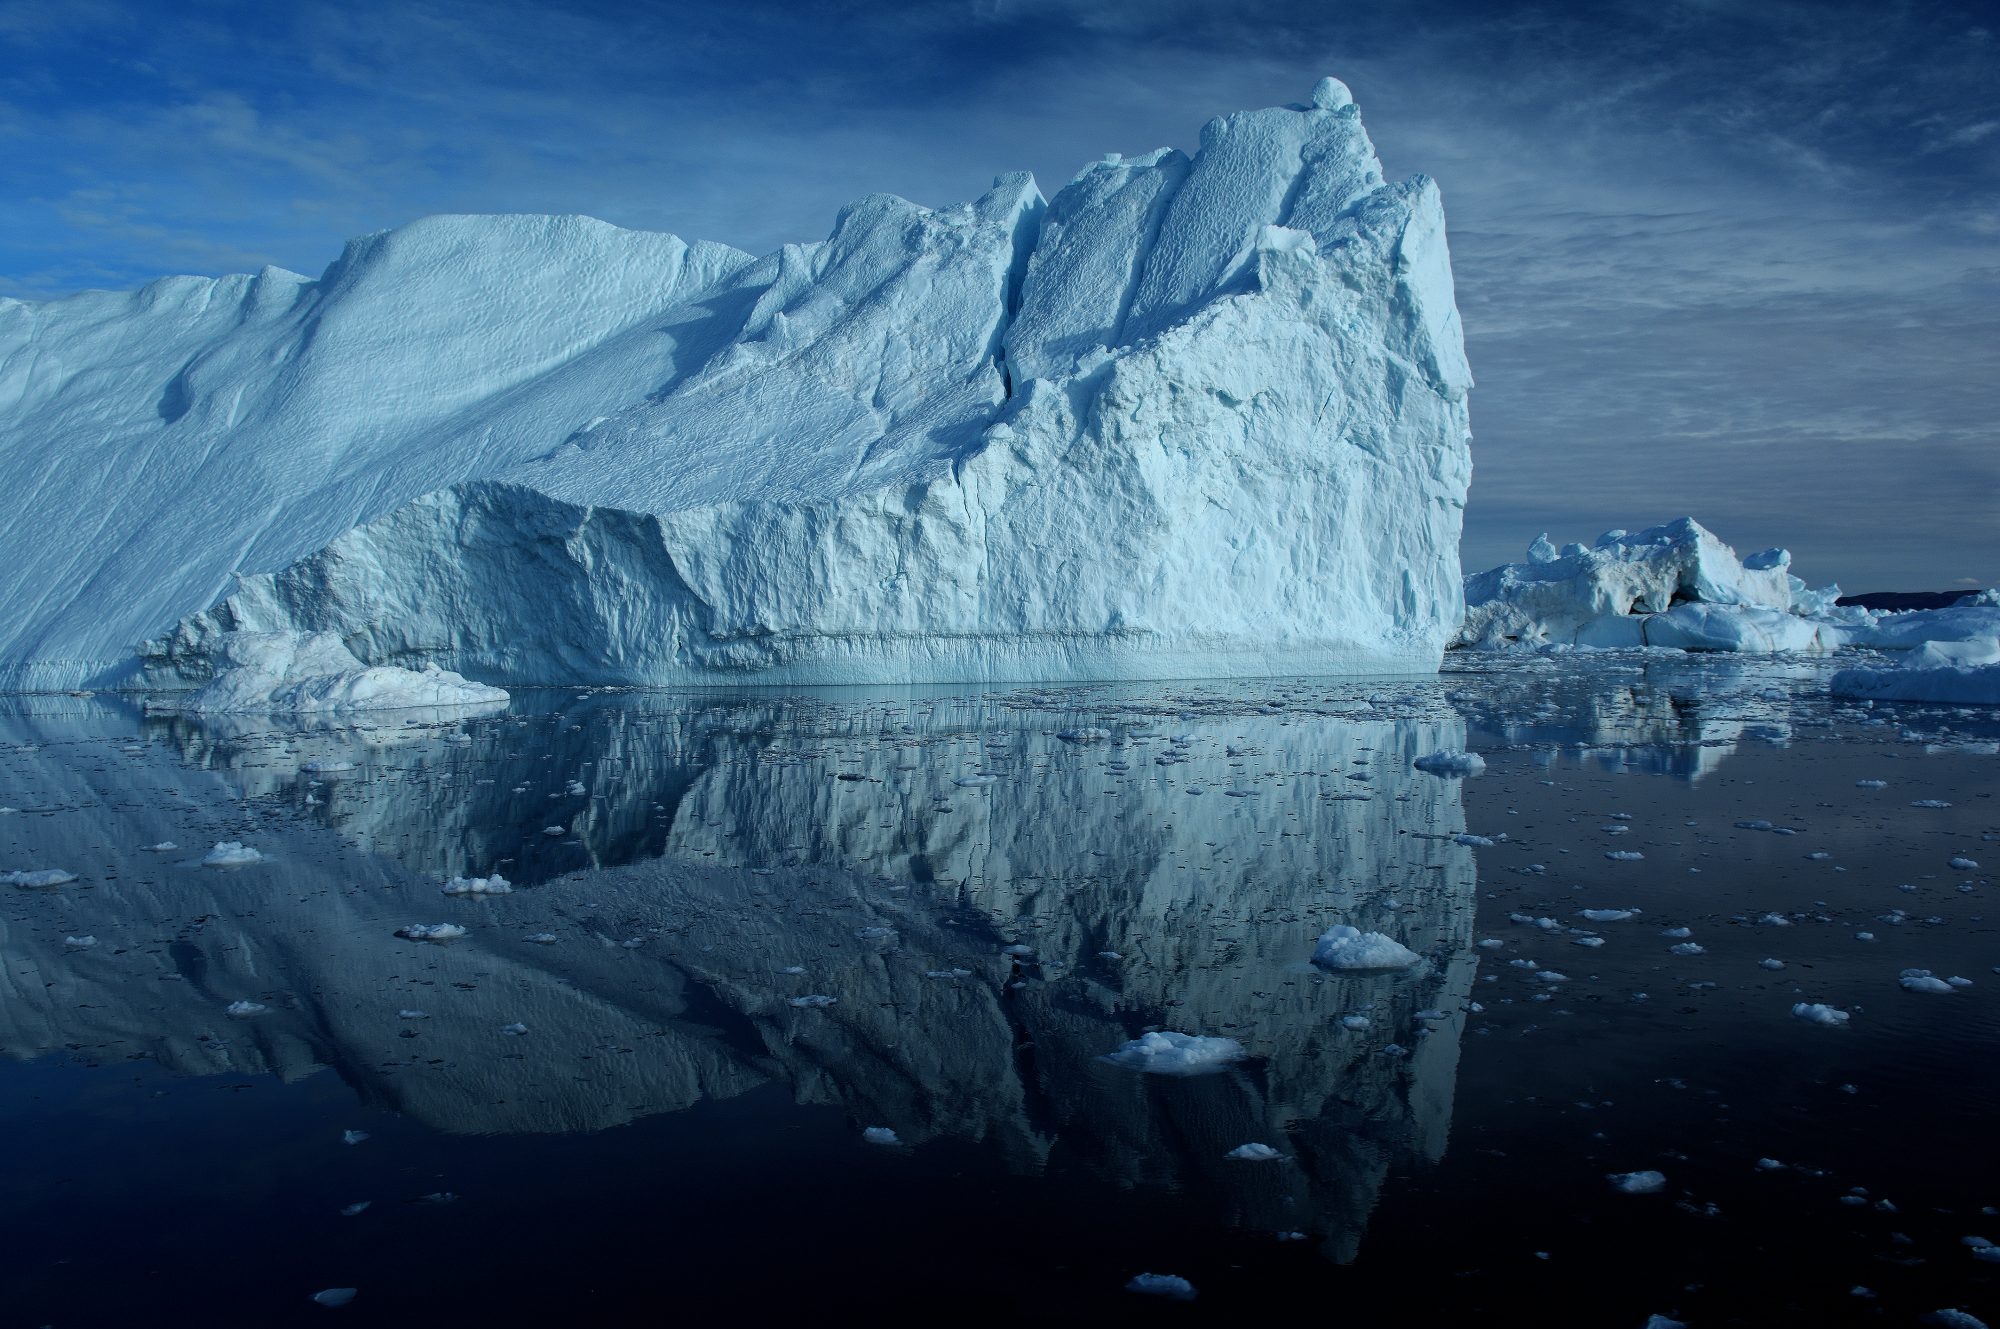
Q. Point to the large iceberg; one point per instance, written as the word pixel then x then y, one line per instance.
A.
pixel 1679 586
pixel 1196 415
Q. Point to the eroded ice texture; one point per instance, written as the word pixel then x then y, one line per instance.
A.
pixel 1196 415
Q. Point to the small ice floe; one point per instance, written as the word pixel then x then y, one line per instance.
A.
pixel 1688 948
pixel 1864 936
pixel 1087 734
pixel 163 847
pixel 335 1296
pixel 1623 855
pixel 881 1135
pixel 1768 1165
pixel 1608 915
pixel 413 1015
pixel 1935 804
pixel 974 781
pixel 326 767
pixel 1162 1285
pixel 243 1010
pixel 1664 1322
pixel 516 1029
pixel 83 943
pixel 948 973
pixel 1109 955
pixel 1963 864
pixel 1871 784
pixel 1254 1153
pixel 1490 943
pixel 815 1000
pixel 439 1197
pixel 1355 1022
pixel 353 1137
pixel 1590 940
pixel 1922 980
pixel 1814 1012
pixel 1951 1317
pixel 1676 932
pixel 231 854
pixel 1770 964
pixel 1638 1183
pixel 1018 951
pixel 431 932
pixel 793 969
pixel 1551 976
pixel 553 831
pixel 8 812
pixel 541 938
pixel 1343 947
pixel 1176 1054
pixel 358 1207
pixel 1775 921
pixel 1475 841
pixel 1450 764
pixel 575 789
pixel 1754 824
pixel 874 933
pixel 39 880
pixel 493 885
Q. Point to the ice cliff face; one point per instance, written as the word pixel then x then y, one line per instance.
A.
pixel 1197 415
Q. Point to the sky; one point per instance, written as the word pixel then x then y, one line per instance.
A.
pixel 1732 259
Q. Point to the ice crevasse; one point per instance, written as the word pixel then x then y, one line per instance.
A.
pixel 1195 415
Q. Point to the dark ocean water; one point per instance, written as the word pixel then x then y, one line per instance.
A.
pixel 672 1136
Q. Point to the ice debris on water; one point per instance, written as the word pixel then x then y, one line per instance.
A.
pixel 516 1029
pixel 1451 763
pixel 880 1135
pixel 1162 1285
pixel 1689 948
pixel 1166 1053
pixel 231 854
pixel 493 885
pixel 431 932
pixel 163 847
pixel 541 938
pixel 1254 1153
pixel 353 1137
pixel 1638 1183
pixel 553 831
pixel 1623 855
pixel 1814 1012
pixel 1355 1022
pixel 335 1296
pixel 242 1010
pixel 1608 915
pixel 38 880
pixel 358 1207
pixel 1770 964
pixel 1922 980
pixel 816 999
pixel 1344 947
pixel 1677 932
pixel 412 1015
pixel 1474 841
pixel 1934 804
pixel 1964 864
pixel 82 943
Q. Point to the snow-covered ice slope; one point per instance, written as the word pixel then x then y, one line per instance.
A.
pixel 1197 415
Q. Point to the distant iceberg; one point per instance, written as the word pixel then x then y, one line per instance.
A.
pixel 1679 586
pixel 1194 416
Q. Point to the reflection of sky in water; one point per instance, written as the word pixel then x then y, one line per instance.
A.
pixel 709 843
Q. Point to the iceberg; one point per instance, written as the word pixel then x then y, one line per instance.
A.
pixel 1195 415
pixel 1949 673
pixel 1679 586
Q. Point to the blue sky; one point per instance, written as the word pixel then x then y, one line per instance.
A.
pixel 1734 260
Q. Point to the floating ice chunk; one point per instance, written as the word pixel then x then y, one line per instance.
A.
pixel 516 1029
pixel 1770 964
pixel 541 938
pixel 431 932
pixel 1551 976
pixel 326 767
pixel 1162 1285
pixel 243 1010
pixel 1964 864
pixel 974 781
pixel 163 847
pixel 553 831
pixel 1343 947
pixel 8 812
pixel 1922 980
pixel 1018 950
pixel 815 1000
pixel 1676 932
pixel 874 933
pixel 880 1135
pixel 793 969
pixel 1935 804
pixel 953 972
pixel 353 1137
pixel 1356 1022
pixel 1623 855
pixel 1176 1054
pixel 1688 948
pixel 1871 784
pixel 1592 941
pixel 82 943
pixel 335 1296
pixel 358 1207
pixel 1087 734
pixel 1109 955
pixel 1254 1153
pixel 1608 915
pixel 493 885
pixel 38 880
pixel 1638 1183
pixel 1813 1012
pixel 1490 943
pixel 1475 841
pixel 1775 920
pixel 1450 764
pixel 412 1015
pixel 1953 1318
pixel 1768 1165
pixel 1755 824
pixel 231 854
